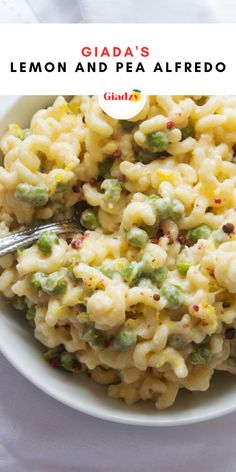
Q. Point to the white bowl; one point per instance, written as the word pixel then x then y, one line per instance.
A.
pixel 79 392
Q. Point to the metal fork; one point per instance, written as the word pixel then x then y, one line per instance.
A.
pixel 19 239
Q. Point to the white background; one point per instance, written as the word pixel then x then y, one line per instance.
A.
pixel 40 435
pixel 191 43
pixel 115 11
pixel 37 433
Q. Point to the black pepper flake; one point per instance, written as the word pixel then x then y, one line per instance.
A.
pixel 156 297
pixel 83 119
pixel 230 333
pixel 228 228
pixel 160 233
pixel 226 304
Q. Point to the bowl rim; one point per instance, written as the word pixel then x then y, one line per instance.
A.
pixel 123 417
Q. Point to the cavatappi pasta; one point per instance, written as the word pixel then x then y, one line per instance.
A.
pixel 143 299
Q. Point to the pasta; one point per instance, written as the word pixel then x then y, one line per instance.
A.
pixel 143 298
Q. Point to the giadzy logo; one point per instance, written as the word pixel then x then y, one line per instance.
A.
pixel 134 96
pixel 122 105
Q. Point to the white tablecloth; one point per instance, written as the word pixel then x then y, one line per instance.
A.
pixel 133 11
pixel 38 434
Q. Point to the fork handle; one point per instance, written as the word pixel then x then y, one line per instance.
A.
pixel 20 239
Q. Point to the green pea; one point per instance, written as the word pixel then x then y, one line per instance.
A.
pixel 158 276
pixel 105 167
pixel 30 315
pixel 141 273
pixel 188 131
pixel 46 241
pixel 54 284
pixel 137 237
pixel 184 261
pixel 177 341
pixel 70 264
pixel 62 187
pixel 158 141
pixel 152 200
pixel 58 206
pixel 167 208
pixel 183 265
pixel 55 352
pixel 93 336
pixel 89 219
pixel 176 209
pixel 200 357
pixel 19 303
pixel 125 340
pixel 162 207
pixel 174 296
pixel 128 125
pixel 70 273
pixel 130 272
pixel 199 232
pixel 146 156
pixel 219 236
pixel 35 195
pixel 112 189
pixel 73 260
pixel 68 361
pixel 107 270
pixel 37 279
pixel 145 282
